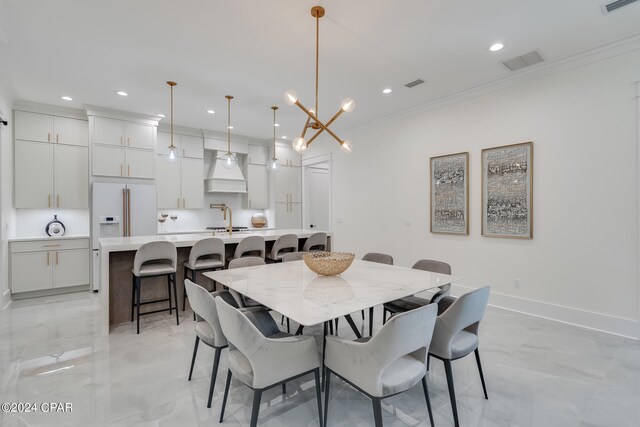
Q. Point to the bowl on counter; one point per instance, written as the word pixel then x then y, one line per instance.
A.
pixel 258 220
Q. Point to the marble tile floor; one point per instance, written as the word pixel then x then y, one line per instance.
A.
pixel 538 372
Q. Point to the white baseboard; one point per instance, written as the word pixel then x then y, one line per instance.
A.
pixel 628 328
pixel 5 301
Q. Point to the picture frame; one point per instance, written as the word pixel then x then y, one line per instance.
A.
pixel 449 194
pixel 507 191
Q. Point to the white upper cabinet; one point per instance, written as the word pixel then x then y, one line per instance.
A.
pixel 46 128
pixel 164 141
pixel 140 135
pixel 192 146
pixel 192 183
pixel 71 131
pixel 33 126
pixel 71 177
pixel 168 184
pixel 108 161
pixel 257 187
pixel 258 155
pixel 33 184
pixel 108 131
pixel 288 184
pixel 287 156
pixel 140 164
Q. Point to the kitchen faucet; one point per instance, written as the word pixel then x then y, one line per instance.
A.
pixel 224 208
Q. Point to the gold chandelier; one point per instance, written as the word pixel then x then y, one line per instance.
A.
pixel 300 144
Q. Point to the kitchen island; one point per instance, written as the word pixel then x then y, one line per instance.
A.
pixel 116 262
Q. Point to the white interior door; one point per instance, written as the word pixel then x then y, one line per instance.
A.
pixel 317 193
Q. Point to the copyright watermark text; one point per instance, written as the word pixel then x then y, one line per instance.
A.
pixel 46 407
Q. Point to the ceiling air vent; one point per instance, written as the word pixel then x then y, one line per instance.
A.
pixel 523 61
pixel 414 83
pixel 610 7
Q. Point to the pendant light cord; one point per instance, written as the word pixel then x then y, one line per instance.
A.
pixel 229 125
pixel 317 58
pixel 171 86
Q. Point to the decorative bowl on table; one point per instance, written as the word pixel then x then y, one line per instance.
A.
pixel 328 263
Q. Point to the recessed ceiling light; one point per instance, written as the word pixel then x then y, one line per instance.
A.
pixel 122 93
pixel 276 124
pixel 387 90
pixel 161 115
pixel 211 112
pixel 66 98
pixel 229 127
pixel 496 47
pixel 283 137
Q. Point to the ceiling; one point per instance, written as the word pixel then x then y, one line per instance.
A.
pixel 256 49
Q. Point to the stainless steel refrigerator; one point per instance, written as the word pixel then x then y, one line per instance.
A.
pixel 120 210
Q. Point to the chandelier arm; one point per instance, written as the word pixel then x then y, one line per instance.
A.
pixel 340 111
pixel 314 136
pixel 302 107
pixel 306 126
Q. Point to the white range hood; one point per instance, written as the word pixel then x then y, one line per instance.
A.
pixel 224 180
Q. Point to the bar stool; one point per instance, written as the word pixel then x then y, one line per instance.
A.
pixel 315 243
pixel 154 259
pixel 206 255
pixel 249 246
pixel 287 243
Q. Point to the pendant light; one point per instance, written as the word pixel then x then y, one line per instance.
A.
pixel 172 153
pixel 229 160
pixel 273 164
pixel 347 105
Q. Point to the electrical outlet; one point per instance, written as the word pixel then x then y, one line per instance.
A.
pixel 339 220
pixel 516 283
pixel 407 222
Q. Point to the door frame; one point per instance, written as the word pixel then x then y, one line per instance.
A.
pixel 310 161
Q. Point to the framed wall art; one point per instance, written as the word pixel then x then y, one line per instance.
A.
pixel 507 191
pixel 450 194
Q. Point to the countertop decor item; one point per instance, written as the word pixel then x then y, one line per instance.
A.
pixel 347 105
pixel 55 227
pixel 328 263
pixel 258 220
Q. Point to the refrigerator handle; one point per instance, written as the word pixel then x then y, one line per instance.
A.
pixel 124 212
pixel 129 212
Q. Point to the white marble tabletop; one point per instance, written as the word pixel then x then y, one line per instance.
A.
pixel 293 290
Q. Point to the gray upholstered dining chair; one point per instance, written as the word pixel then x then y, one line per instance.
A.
pixel 315 243
pixel 154 259
pixel 293 256
pixel 207 325
pixel 206 255
pixel 287 243
pixel 391 362
pixel 261 362
pixel 380 259
pixel 456 335
pixel 249 261
pixel 412 302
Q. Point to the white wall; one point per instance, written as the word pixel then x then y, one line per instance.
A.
pixel 582 264
pixel 6 193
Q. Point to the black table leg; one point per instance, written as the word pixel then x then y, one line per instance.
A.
pixel 353 325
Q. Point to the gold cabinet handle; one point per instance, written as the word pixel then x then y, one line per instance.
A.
pixel 128 141
pixel 249 203
pixel 49 137
pixel 184 203
pixel 121 166
pixel 178 202
pixel 183 152
pixel 128 170
pixel 58 201
pixel 56 258
pixel 48 258
pixel 57 137
pixel 120 140
pixel 49 201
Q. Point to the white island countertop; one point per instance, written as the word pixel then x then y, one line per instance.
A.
pixel 118 244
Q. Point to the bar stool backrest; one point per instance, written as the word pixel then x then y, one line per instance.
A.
pixel 283 243
pixel 315 240
pixel 208 247
pixel 161 252
pixel 250 244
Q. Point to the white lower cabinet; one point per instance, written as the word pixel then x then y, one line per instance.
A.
pixel 41 265
pixel 288 215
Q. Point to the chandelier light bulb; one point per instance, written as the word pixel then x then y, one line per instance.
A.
pixel 299 144
pixel 348 105
pixel 229 160
pixel 346 147
pixel 290 97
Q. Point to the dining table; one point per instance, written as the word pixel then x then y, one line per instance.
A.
pixel 296 292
